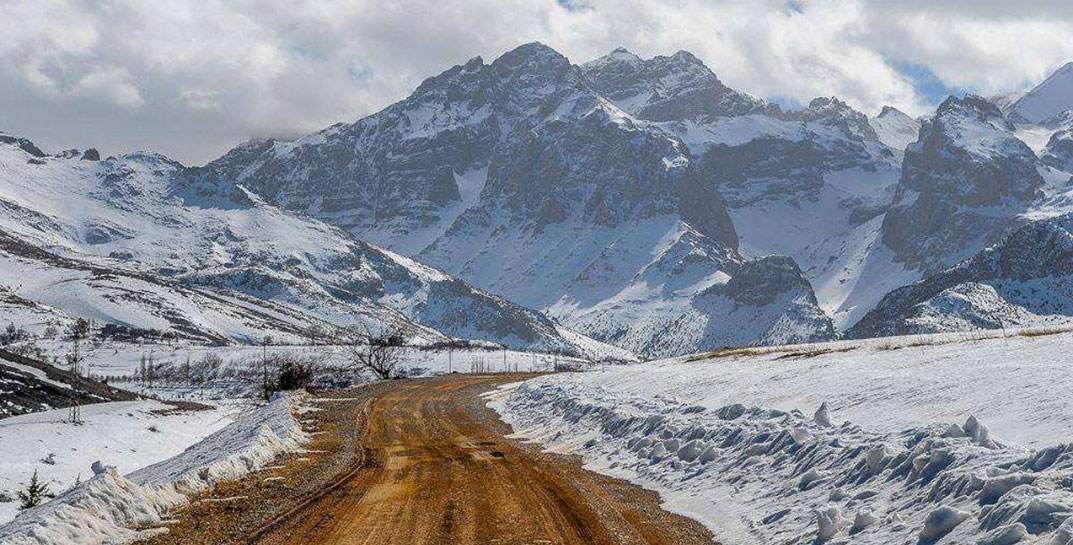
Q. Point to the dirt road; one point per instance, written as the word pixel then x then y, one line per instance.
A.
pixel 440 472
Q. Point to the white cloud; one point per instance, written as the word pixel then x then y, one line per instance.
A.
pixel 191 79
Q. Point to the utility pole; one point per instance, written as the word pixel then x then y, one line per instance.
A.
pixel 264 365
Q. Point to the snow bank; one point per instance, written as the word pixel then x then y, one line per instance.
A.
pixel 755 473
pixel 110 508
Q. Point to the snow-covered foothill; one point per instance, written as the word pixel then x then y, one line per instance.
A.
pixel 925 439
pixel 115 508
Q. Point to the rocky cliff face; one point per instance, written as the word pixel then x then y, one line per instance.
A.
pixel 1059 151
pixel 961 185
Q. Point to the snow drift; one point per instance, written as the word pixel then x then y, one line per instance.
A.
pixel 758 474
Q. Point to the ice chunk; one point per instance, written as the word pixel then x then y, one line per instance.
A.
pixel 864 519
pixel 800 435
pixel 707 456
pixel 690 450
pixel 828 521
pixel 979 433
pixel 810 478
pixel 940 522
pixel 1006 535
pixel 1064 534
pixel 994 488
pixel 821 416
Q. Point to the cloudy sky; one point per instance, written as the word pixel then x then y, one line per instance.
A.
pixel 191 79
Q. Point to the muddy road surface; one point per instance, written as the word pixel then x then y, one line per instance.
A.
pixel 439 470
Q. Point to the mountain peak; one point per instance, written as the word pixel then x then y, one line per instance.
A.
pixel 665 88
pixel 980 106
pixel 895 128
pixel 834 112
pixel 531 51
pixel 685 56
pixel 889 111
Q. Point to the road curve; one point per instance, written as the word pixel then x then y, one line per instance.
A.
pixel 440 471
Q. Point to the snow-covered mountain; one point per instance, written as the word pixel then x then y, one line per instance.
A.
pixel 520 177
pixel 641 202
pixel 143 242
pixel 993 188
pixel 962 183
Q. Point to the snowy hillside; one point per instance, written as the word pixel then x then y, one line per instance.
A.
pixel 31 386
pixel 141 242
pixel 927 439
pixel 117 433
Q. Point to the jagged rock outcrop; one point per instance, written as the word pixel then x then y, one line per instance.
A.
pixel 673 88
pixel 966 168
pixel 1059 151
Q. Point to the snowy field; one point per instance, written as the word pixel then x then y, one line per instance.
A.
pixel 923 439
pixel 117 433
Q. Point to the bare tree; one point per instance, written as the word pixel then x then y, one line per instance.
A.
pixel 378 352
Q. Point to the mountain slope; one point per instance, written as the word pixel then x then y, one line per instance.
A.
pixel 1046 100
pixel 1025 280
pixel 895 128
pixel 142 241
pixel 32 386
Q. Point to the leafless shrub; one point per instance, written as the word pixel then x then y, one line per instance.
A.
pixel 378 352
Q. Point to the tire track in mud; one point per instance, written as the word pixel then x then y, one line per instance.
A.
pixel 439 470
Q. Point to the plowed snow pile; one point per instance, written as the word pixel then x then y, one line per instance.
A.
pixel 877 442
pixel 111 508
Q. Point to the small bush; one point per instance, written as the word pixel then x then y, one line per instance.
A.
pixel 34 494
pixel 295 374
